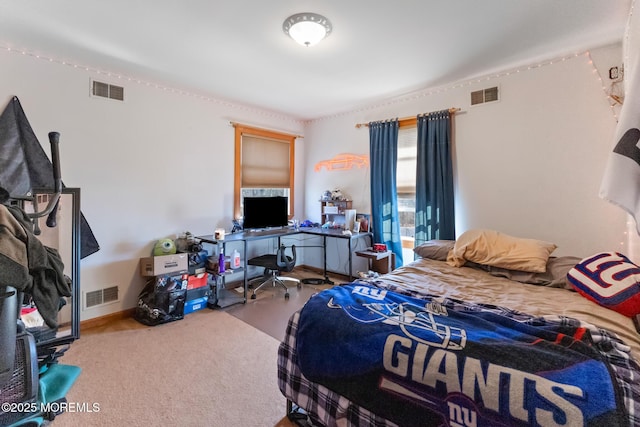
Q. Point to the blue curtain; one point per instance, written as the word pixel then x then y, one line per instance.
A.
pixel 383 157
pixel 434 179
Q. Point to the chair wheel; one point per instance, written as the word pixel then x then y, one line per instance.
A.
pixel 298 285
pixel 253 296
pixel 286 296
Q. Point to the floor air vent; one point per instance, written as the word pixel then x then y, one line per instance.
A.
pixel 100 297
pixel 484 95
pixel 106 90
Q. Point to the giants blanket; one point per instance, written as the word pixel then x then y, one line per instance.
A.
pixel 419 362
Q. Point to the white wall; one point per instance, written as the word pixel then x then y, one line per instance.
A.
pixel 151 167
pixel 162 163
pixel 529 165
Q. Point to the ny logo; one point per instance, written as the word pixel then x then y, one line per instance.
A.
pixel 372 293
pixel 461 417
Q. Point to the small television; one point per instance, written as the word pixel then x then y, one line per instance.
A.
pixel 265 212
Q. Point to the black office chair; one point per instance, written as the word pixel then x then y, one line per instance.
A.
pixel 274 264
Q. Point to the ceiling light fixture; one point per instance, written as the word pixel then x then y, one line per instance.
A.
pixel 307 29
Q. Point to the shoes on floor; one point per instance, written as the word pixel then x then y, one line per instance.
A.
pixel 368 274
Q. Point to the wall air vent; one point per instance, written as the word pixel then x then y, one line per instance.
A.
pixel 484 95
pixel 101 297
pixel 106 90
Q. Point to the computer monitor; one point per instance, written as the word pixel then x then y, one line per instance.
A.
pixel 265 212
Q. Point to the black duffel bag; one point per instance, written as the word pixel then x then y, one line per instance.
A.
pixel 162 300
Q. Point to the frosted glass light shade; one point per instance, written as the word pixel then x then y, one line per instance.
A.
pixel 307 29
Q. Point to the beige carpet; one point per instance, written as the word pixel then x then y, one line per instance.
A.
pixel 209 369
pixel 270 311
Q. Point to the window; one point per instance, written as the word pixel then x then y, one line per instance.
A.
pixel 264 165
pixel 406 181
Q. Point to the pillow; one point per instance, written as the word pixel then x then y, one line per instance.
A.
pixel 435 249
pixel 554 277
pixel 609 279
pixel 497 249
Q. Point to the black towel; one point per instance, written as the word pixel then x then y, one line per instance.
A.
pixel 29 266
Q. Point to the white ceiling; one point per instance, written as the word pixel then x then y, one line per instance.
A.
pixel 236 50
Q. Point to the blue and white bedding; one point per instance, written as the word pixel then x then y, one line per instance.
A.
pixel 362 355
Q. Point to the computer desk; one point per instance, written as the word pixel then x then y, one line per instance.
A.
pixel 279 233
pixel 336 233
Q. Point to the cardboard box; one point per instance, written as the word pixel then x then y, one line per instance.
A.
pixel 197 281
pixel 195 305
pixel 170 282
pixel 330 210
pixel 384 265
pixel 164 264
pixel 192 294
pixel 197 262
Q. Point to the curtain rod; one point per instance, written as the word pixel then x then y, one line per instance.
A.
pixel 451 111
pixel 284 132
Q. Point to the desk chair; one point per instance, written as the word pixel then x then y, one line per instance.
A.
pixel 274 264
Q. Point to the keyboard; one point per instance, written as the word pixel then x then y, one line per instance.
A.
pixel 267 232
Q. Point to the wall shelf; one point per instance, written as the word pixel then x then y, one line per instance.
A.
pixel 334 210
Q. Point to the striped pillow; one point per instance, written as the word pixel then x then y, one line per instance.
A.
pixel 609 279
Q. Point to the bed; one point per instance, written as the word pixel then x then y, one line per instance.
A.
pixel 545 303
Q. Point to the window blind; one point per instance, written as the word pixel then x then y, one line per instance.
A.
pixel 265 162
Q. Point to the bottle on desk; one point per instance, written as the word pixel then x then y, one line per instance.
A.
pixel 221 262
pixel 235 259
